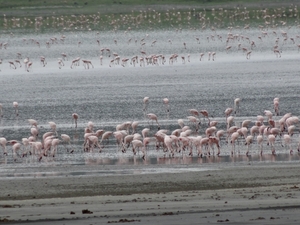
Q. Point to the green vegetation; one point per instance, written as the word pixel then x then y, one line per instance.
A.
pixel 64 15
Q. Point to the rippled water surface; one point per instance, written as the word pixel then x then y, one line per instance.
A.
pixel 111 95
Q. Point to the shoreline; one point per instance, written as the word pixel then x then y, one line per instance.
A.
pixel 219 177
pixel 229 192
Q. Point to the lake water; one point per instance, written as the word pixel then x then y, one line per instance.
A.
pixel 109 96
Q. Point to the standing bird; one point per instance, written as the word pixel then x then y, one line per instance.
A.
pixel 166 103
pixel 53 127
pixel 276 106
pixel 249 140
pixel 3 142
pixel 228 111
pixel 237 106
pixel 260 140
pixel 271 140
pixel 54 145
pixel 66 139
pixel 75 118
pixel 205 114
pixel 136 145
pixel 152 116
pixel 16 105
pixel 146 103
pixel 234 137
pixel 33 123
pixel 15 147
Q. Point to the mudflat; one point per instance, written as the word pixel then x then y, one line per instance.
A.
pixel 248 194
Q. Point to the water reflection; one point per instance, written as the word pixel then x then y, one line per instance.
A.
pixel 94 164
pixel 97 159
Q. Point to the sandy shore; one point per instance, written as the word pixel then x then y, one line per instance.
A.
pixel 235 195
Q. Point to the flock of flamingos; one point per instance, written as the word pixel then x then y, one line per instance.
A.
pixel 186 139
pixel 274 27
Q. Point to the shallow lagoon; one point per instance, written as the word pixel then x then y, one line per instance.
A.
pixel 109 96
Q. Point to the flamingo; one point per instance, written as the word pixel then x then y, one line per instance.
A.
pixel 271 140
pixel 153 117
pixel 75 118
pixel 3 142
pixel 260 140
pixel 249 140
pixel 66 139
pixel 54 145
pixel 15 147
pixel 134 126
pixel 276 106
pixel 53 127
pixel 237 106
pixel 287 141
pixel 234 137
pixel 16 105
pixel 167 107
pixel 136 145
pixel 146 103
pixel 33 123
pixel 205 114
pixel 105 136
pixel 194 121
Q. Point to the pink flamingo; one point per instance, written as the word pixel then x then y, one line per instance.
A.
pixel 153 117
pixel 3 143
pixel 43 61
pixel 205 115
pixel 146 103
pixel 136 145
pixel 29 66
pixel 126 142
pixel 203 142
pixel 214 141
pixel 249 140
pixel 16 105
pixel 60 63
pixel 167 107
pixel 287 141
pixel 66 139
pixel 194 121
pixel 12 65
pixel 260 140
pixel 87 63
pixel 54 145
pixel 234 137
pixel 228 111
pixel 237 106
pixel 271 140
pixel 33 123
pixel 15 147
pixel 134 126
pixel 276 106
pixel 93 141
pixel 75 118
pixel 106 135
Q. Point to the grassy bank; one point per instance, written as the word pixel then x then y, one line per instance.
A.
pixel 42 15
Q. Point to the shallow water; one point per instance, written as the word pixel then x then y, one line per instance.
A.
pixel 109 96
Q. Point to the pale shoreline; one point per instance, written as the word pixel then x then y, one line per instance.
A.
pixel 270 192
